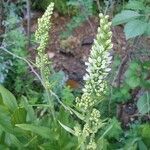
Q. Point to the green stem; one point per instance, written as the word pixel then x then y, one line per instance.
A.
pixel 51 105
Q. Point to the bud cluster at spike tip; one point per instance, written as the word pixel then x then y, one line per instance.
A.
pixel 42 35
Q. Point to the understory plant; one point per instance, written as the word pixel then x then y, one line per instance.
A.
pixel 40 126
pixel 94 90
pixel 135 16
pixel 84 10
pixel 27 126
pixel 98 67
pixel 14 73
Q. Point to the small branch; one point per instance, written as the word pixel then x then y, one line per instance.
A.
pixel 1 19
pixel 65 107
pixel 23 59
pixel 98 5
pixel 117 78
pixel 28 21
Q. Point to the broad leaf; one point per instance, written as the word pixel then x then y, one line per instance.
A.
pixel 31 117
pixel 135 5
pixel 103 144
pixel 125 16
pixel 67 128
pixel 113 130
pixel 142 145
pixel 147 32
pixel 133 81
pixel 13 140
pixel 19 116
pixel 42 131
pixel 8 98
pixel 5 123
pixel 143 103
pixel 135 28
pixel 144 131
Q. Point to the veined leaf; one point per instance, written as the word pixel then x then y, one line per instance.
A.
pixel 135 5
pixel 142 145
pixel 147 32
pixel 133 81
pixel 19 116
pixel 5 123
pixel 135 28
pixel 125 16
pixel 42 131
pixel 80 116
pixel 145 130
pixel 67 128
pixel 143 103
pixel 8 98
pixel 30 112
pixel 13 140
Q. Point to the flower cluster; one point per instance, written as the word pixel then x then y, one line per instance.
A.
pixel 91 146
pixel 42 36
pixel 92 123
pixel 98 67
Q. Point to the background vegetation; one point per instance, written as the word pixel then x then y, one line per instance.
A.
pixel 38 110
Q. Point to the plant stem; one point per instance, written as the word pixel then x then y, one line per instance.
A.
pixel 51 105
pixel 25 60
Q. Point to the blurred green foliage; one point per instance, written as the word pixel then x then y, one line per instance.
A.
pixel 25 118
pixel 60 5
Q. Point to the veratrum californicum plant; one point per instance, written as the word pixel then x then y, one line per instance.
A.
pixel 98 67
pixel 42 36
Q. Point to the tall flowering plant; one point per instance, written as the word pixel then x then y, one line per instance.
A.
pixel 42 62
pixel 42 37
pixel 98 67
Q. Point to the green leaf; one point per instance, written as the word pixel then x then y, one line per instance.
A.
pixel 13 140
pixel 67 128
pixel 79 115
pixel 133 81
pixel 5 123
pixel 146 64
pixel 113 130
pixel 19 116
pixel 31 117
pixel 135 28
pixel 8 98
pixel 125 16
pixel 135 5
pixel 147 32
pixel 67 96
pixel 145 130
pixel 1 100
pixel 4 147
pixel 143 103
pixel 42 131
pixel 134 65
pixel 103 144
pixel 142 146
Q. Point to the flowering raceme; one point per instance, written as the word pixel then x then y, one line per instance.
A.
pixel 42 36
pixel 98 67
